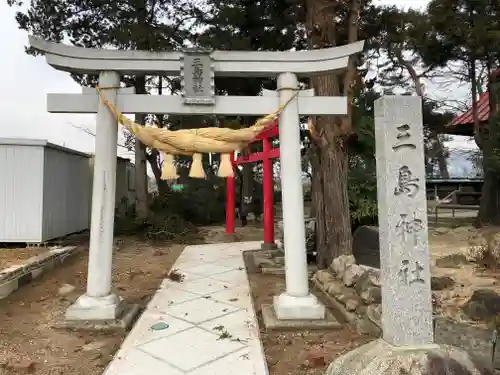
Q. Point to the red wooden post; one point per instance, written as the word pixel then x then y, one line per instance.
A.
pixel 266 156
pixel 268 192
pixel 230 202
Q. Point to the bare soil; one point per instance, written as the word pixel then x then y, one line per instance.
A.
pixel 299 352
pixel 10 257
pixel 468 277
pixel 28 344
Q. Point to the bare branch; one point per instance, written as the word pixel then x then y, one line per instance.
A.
pixel 90 132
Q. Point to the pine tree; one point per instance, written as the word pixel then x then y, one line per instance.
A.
pixel 137 25
pixel 468 31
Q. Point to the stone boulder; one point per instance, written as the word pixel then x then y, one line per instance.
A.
pixel 380 358
pixel 452 261
pixel 441 282
pixel 324 277
pixel 348 298
pixel 477 248
pixel 352 274
pixel 367 290
pixel 340 264
pixel 335 288
pixel 365 246
pixel 365 326
pixel 494 247
pixel 484 304
pixel 374 313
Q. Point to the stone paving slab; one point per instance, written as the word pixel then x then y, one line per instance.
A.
pixel 211 323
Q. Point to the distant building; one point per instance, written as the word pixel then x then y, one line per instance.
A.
pixel 125 183
pixel 44 191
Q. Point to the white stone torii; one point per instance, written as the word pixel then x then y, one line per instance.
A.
pixel 99 302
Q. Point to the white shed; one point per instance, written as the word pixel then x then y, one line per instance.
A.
pixel 125 184
pixel 44 191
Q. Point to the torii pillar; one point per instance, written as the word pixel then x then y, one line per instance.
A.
pixel 297 302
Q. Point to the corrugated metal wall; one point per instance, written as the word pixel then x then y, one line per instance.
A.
pixel 66 193
pixel 21 179
pixel 125 184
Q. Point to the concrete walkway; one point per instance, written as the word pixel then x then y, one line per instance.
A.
pixel 212 328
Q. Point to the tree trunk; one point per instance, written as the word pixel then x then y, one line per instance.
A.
pixel 154 157
pixel 331 202
pixel 330 133
pixel 489 209
pixel 155 168
pixel 141 171
pixel 438 147
pixel 441 157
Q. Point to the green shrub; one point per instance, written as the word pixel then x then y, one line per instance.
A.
pixel 174 215
pixel 201 202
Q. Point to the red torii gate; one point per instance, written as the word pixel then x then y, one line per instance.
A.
pixel 266 157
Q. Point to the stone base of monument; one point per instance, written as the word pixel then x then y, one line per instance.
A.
pixel 271 321
pixel 380 358
pixel 86 316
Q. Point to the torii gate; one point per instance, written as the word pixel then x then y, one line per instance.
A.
pixel 197 69
pixel 266 155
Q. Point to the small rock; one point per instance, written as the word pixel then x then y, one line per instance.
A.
pixel 373 275
pixel 94 345
pixel 477 248
pixel 366 289
pixel 494 247
pixel 95 356
pixel 352 274
pixel 451 261
pixel 261 261
pixel 272 361
pixel 374 313
pixel 340 263
pixel 448 295
pixel 351 304
pixel 324 277
pixel 361 310
pixel 365 327
pixel 25 366
pixel 335 288
pixel 65 289
pixel 371 295
pixel 441 230
pixel 374 278
pixel 482 305
pixel 347 294
pixel 134 273
pixel 314 358
pixel 158 253
pixel 441 282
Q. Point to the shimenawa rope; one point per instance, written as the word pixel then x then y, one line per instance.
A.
pixel 193 142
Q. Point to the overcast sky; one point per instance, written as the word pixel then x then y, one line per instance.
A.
pixel 26 80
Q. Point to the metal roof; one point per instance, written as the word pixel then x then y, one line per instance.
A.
pixel 483 112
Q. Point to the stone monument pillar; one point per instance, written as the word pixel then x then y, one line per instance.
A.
pixel 402 210
pixel 408 345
